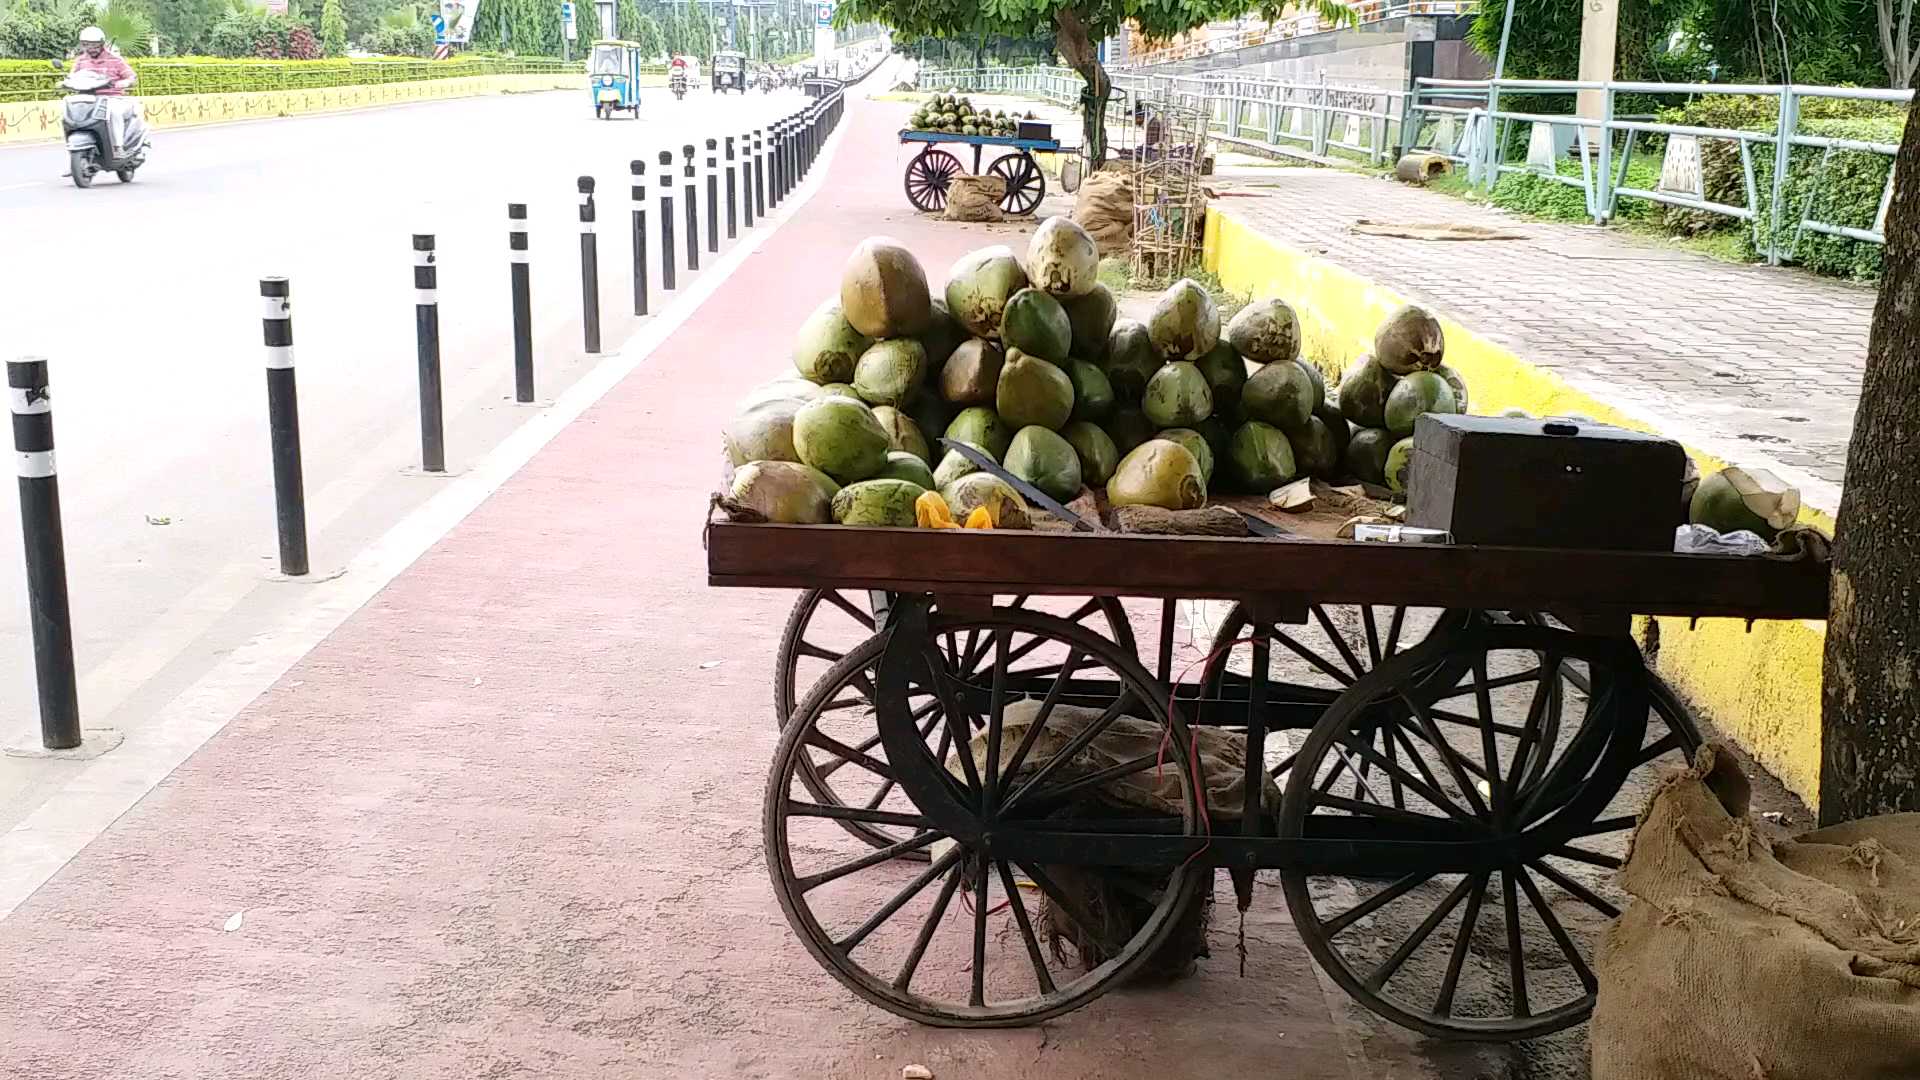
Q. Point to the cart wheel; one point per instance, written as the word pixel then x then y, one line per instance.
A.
pixel 827 624
pixel 928 177
pixel 1026 184
pixel 1499 951
pixel 1014 946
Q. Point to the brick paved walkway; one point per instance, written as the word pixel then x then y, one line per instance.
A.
pixel 1751 363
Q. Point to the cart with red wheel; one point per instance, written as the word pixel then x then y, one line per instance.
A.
pixel 1442 752
pixel 932 170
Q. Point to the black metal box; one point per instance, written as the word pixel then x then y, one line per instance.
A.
pixel 1034 129
pixel 1544 483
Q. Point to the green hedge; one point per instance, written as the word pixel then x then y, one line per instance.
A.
pixel 34 80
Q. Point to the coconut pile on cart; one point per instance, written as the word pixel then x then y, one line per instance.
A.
pixel 987 806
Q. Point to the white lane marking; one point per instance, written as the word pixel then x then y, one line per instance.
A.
pixel 72 817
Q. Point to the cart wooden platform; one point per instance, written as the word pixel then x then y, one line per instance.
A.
pixel 931 171
pixel 1451 744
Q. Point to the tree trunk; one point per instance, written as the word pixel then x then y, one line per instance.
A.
pixel 1870 702
pixel 1077 48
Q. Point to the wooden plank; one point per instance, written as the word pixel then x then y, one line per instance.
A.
pixel 1282 570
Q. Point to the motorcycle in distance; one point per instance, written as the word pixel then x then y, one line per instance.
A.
pixel 677 82
pixel 87 117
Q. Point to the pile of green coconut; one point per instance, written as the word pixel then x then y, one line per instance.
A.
pixel 1028 363
pixel 957 116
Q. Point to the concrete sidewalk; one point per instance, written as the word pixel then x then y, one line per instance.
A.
pixel 505 821
pixel 1752 364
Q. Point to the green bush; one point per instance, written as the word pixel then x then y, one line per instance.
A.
pixel 34 80
pixel 1530 193
pixel 414 40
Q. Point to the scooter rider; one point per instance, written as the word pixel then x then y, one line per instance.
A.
pixel 96 57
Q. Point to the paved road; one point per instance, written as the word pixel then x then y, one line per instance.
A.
pixel 145 297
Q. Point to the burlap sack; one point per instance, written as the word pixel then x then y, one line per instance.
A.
pixel 975 198
pixel 1744 959
pixel 1104 207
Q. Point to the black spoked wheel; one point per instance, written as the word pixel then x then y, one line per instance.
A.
pixel 982 935
pixel 1483 925
pixel 828 624
pixel 928 177
pixel 1026 184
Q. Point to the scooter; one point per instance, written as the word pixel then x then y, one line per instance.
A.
pixel 88 118
pixel 677 82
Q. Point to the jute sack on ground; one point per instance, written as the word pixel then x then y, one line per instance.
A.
pixel 1104 207
pixel 1744 959
pixel 975 198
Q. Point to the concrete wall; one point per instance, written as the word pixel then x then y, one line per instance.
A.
pixel 1387 54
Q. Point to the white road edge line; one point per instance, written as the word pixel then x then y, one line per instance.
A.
pixel 34 850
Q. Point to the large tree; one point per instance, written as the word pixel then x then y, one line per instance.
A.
pixel 1870 730
pixel 1077 27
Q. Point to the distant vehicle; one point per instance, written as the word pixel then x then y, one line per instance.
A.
pixel 613 77
pixel 729 72
pixel 105 132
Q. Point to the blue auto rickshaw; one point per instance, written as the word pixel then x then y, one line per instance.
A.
pixel 613 77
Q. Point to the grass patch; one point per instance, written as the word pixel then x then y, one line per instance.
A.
pixel 1117 274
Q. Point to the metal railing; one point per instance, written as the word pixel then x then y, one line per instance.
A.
pixel 1476 131
pixel 1365 12
pixel 163 77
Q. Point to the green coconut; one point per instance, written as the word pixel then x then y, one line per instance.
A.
pixel 956 465
pixel 1128 427
pixel 1409 340
pixel 1226 376
pixel 984 428
pixel 785 492
pixel 1315 451
pixel 1177 395
pixel 1367 454
pixel 1131 360
pixel 1098 455
pixel 1459 386
pixel 1260 458
pixel 762 433
pixel 887 503
pixel 978 489
pixel 1033 391
pixel 1158 472
pixel 931 415
pixel 902 433
pixel 1185 324
pixel 909 467
pixel 840 437
pixel 1281 395
pixel 1062 258
pixel 1753 499
pixel 971 375
pixel 788 388
pixel 1318 380
pixel 1045 460
pixel 1218 433
pixel 1414 395
pixel 1338 430
pixel 979 286
pixel 942 335
pixel 842 390
pixel 1363 393
pixel 1092 392
pixel 1196 445
pixel 1036 324
pixel 1265 332
pixel 1092 316
pixel 883 290
pixel 1399 467
pixel 828 347
pixel 890 372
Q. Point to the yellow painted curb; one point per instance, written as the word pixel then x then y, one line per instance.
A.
pixel 30 121
pixel 1761 687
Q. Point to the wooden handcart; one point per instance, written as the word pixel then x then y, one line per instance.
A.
pixel 932 170
pixel 1449 745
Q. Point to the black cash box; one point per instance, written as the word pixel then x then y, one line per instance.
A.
pixel 1034 129
pixel 1544 483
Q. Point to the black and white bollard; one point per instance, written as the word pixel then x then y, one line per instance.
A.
pixel 760 201
pixel 46 548
pixel 426 333
pixel 283 424
pixel 746 179
pixel 639 170
pixel 589 269
pixel 713 197
pixel 733 195
pixel 780 159
pixel 689 189
pixel 522 303
pixel 667 254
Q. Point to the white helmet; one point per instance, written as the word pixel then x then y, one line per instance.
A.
pixel 92 35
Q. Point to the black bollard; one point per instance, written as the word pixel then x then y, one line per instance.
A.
pixel 746 179
pixel 283 425
pixel 522 303
pixel 639 170
pixel 589 269
pixel 713 197
pixel 777 161
pixel 689 190
pixel 426 333
pixel 760 201
pixel 666 220
pixel 733 196
pixel 46 548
